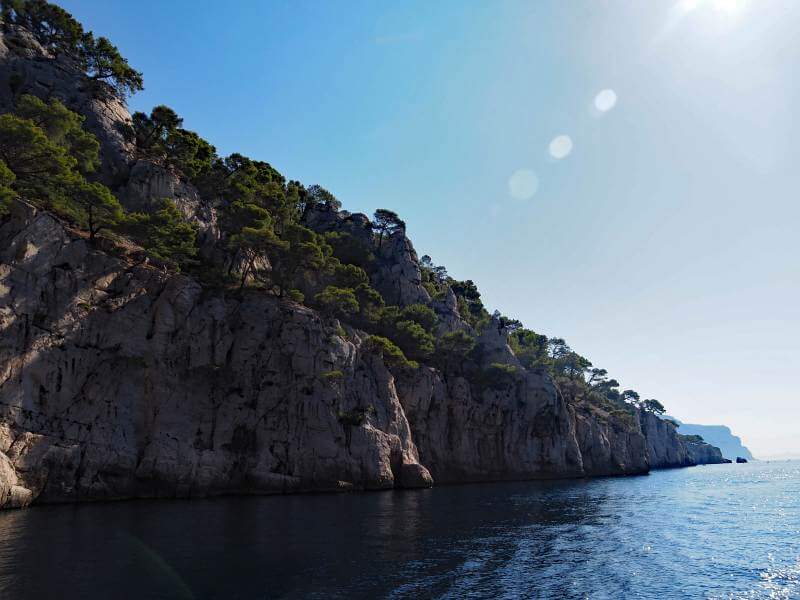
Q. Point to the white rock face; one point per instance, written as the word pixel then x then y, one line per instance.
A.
pixel 119 380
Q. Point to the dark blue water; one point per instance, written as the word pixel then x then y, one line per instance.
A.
pixel 726 531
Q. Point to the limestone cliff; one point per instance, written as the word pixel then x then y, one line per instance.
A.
pixel 119 379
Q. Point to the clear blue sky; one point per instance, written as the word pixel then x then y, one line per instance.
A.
pixel 664 247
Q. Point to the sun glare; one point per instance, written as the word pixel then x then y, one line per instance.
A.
pixel 729 7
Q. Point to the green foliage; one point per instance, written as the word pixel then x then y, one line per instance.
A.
pixel 7 193
pixel 318 196
pixel 499 375
pixel 102 61
pixel 47 153
pixel 424 316
pixel 98 207
pixel 654 406
pixel 530 348
pixel 370 304
pixel 165 235
pixel 39 165
pixel 453 350
pixel 60 33
pixel 237 178
pixel 51 25
pixel 301 250
pixel 337 302
pixel 415 341
pixel 63 128
pixel 332 376
pixel 391 354
pixel 470 306
pixel 692 439
pixel 295 295
pixel 250 234
pixel 386 223
pixel 349 276
pixel 456 343
pixel 159 136
pixel 350 250
pixel 355 417
pixel 412 337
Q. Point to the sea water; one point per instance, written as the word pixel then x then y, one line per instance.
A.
pixel 722 531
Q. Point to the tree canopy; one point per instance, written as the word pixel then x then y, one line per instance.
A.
pixel 386 222
pixel 59 33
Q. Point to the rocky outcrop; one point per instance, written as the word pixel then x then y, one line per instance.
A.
pixel 398 277
pixel 702 453
pixel 610 446
pixel 664 449
pixel 667 449
pixel 524 431
pixel 120 381
pixel 27 68
pixel 720 436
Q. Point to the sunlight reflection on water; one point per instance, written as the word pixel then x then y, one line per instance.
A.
pixel 687 533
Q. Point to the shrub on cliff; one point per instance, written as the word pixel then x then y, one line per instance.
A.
pixel 58 32
pixel 62 127
pixel 530 348
pixel 317 196
pixel 420 314
pixel 97 207
pixel 386 222
pixel 46 153
pixel 413 338
pixel 337 302
pixel 499 375
pixel 391 354
pixel 456 343
pixel 7 193
pixel 39 165
pixel 160 136
pixel 165 235
pixel 349 250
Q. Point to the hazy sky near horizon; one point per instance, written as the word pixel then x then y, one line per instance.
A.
pixel 663 243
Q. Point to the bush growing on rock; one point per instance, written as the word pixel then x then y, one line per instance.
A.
pixel 337 302
pixel 355 417
pixel 165 235
pixel 98 207
pixel 349 250
pixel 7 193
pixel 62 127
pixel 420 314
pixel 160 136
pixel 59 33
pixel 386 223
pixel 499 375
pixel 391 354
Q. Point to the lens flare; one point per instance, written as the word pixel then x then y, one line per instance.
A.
pixel 560 147
pixel 605 100
pixel 523 184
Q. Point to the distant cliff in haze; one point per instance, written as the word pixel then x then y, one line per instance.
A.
pixel 720 436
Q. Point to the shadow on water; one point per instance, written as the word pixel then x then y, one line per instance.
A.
pixel 717 532
pixel 372 544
